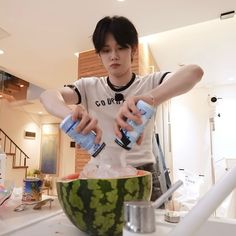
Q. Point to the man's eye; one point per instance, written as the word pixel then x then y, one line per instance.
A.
pixel 105 50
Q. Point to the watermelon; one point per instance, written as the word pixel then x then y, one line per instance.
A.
pixel 95 206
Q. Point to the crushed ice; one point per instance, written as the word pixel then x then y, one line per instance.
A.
pixel 108 167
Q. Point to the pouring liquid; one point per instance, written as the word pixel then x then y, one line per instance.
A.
pixel 122 157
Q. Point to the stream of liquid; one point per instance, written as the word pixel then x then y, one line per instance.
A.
pixel 122 157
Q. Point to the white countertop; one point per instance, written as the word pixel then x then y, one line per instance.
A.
pixel 47 221
pixel 52 221
pixel 44 223
pixel 54 224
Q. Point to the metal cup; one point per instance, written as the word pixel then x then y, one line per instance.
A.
pixel 139 217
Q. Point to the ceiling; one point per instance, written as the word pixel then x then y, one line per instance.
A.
pixel 39 38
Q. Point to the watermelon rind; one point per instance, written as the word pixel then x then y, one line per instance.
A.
pixel 96 206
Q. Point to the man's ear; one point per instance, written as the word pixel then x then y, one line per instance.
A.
pixel 133 51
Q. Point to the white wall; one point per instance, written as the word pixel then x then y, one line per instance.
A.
pixel 191 140
pixel 190 133
pixel 223 142
pixel 225 126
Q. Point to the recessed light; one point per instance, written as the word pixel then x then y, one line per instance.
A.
pixel 120 0
pixel 1 52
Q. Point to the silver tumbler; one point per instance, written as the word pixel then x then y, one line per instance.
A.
pixel 139 218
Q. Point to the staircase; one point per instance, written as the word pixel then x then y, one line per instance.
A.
pixel 11 149
pixel 12 88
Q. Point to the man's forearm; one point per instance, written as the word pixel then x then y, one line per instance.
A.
pixel 54 104
pixel 178 83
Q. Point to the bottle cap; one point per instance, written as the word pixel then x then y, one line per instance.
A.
pixel 139 217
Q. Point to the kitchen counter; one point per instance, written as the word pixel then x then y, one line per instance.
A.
pixel 53 222
pixel 18 223
pixel 47 221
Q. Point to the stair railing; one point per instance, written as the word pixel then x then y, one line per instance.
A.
pixel 12 149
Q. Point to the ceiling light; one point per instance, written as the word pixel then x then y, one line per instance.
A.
pixel 120 0
pixel 226 15
pixel 1 52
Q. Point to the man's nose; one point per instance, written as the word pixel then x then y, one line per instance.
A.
pixel 114 55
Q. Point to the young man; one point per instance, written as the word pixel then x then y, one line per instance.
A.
pixel 105 104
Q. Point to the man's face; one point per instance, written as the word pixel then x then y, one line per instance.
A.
pixel 115 58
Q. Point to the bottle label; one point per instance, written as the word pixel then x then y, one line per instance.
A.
pixel 85 141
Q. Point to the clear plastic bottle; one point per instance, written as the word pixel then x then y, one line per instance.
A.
pixel 85 141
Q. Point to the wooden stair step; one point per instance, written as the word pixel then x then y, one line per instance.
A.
pixel 10 154
pixel 20 167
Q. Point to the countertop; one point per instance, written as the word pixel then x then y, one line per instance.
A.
pixel 55 223
pixel 49 220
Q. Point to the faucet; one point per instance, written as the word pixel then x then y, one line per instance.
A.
pixel 164 197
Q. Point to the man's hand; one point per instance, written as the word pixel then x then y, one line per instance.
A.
pixel 87 123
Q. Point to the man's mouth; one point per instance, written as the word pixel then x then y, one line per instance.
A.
pixel 115 65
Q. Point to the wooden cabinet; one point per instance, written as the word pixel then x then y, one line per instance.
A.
pixel 89 64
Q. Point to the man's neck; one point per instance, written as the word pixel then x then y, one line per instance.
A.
pixel 122 80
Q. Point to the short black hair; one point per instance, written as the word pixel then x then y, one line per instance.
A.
pixel 120 27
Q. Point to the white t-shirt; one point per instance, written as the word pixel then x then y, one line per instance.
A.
pixel 98 98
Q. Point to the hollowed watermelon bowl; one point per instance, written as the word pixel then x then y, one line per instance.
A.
pixel 95 206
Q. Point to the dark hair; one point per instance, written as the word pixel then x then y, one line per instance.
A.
pixel 120 27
